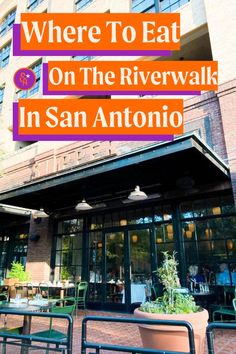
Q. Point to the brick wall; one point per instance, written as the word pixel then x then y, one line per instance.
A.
pixel 205 108
pixel 227 99
pixel 39 252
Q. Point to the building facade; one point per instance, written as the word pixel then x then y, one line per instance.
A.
pixel 190 183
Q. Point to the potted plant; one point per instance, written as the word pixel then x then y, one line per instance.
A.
pixel 173 305
pixel 17 274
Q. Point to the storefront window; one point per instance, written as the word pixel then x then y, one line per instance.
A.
pixel 209 237
pixel 68 253
pixel 68 257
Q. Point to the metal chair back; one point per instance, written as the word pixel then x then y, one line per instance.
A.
pixel 81 293
pixel 99 347
pixel 210 333
pixel 44 290
pixel 31 341
pixel 234 304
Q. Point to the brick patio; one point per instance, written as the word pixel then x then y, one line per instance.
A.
pixel 225 342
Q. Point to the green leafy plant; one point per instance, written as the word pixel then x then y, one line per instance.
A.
pixel 18 271
pixel 172 301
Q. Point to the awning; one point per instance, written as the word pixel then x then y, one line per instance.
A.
pixel 173 169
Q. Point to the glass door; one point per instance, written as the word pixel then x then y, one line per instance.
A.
pixel 140 265
pixel 114 269
pixel 120 268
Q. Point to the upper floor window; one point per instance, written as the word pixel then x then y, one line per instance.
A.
pixel 1 96
pixel 171 5
pixel 83 57
pixel 32 4
pixel 80 4
pixel 143 6
pixel 5 55
pixel 27 93
pixel 7 22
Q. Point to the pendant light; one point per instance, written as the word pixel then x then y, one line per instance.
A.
pixel 39 214
pixel 137 194
pixel 83 205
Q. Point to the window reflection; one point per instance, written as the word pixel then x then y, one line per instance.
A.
pixel 209 238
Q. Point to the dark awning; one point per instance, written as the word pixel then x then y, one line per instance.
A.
pixel 186 165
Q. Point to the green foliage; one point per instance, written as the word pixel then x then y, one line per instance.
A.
pixel 172 301
pixel 18 271
pixel 65 273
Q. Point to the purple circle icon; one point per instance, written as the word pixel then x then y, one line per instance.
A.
pixel 24 79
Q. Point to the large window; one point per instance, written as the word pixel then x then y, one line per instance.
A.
pixel 27 93
pixel 5 55
pixel 32 4
pixel 143 6
pixel 13 247
pixel 209 236
pixel 68 258
pixel 1 96
pixel 81 4
pixel 171 5
pixel 83 57
pixel 7 22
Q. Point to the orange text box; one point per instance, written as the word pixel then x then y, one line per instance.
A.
pixel 57 117
pixel 130 76
pixel 92 31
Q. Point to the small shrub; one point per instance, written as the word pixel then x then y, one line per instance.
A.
pixel 172 301
pixel 18 271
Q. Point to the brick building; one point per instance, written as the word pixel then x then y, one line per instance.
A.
pixel 190 183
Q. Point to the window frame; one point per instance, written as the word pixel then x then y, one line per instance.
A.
pixel 5 52
pixel 5 24
pixel 36 88
pixel 2 91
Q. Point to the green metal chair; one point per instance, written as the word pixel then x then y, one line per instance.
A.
pixel 30 291
pixel 226 311
pixel 67 308
pixel 80 295
pixel 44 290
pixel 13 330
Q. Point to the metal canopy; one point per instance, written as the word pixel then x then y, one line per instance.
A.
pixel 157 168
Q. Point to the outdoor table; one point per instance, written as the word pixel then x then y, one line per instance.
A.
pixel 63 288
pixel 202 298
pixel 18 308
pixel 26 307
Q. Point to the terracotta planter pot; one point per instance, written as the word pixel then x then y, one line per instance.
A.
pixel 11 281
pixel 173 338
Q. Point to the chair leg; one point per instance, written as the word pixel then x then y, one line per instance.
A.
pixel 48 347
pixel 4 346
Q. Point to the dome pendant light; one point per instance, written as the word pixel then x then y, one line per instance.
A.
pixel 83 205
pixel 137 194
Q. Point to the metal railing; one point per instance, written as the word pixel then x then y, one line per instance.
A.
pixel 210 333
pixel 31 341
pixel 127 349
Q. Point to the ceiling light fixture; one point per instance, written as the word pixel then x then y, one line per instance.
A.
pixel 83 205
pixel 137 194
pixel 39 214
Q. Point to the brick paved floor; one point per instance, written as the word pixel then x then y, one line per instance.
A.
pixel 225 342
